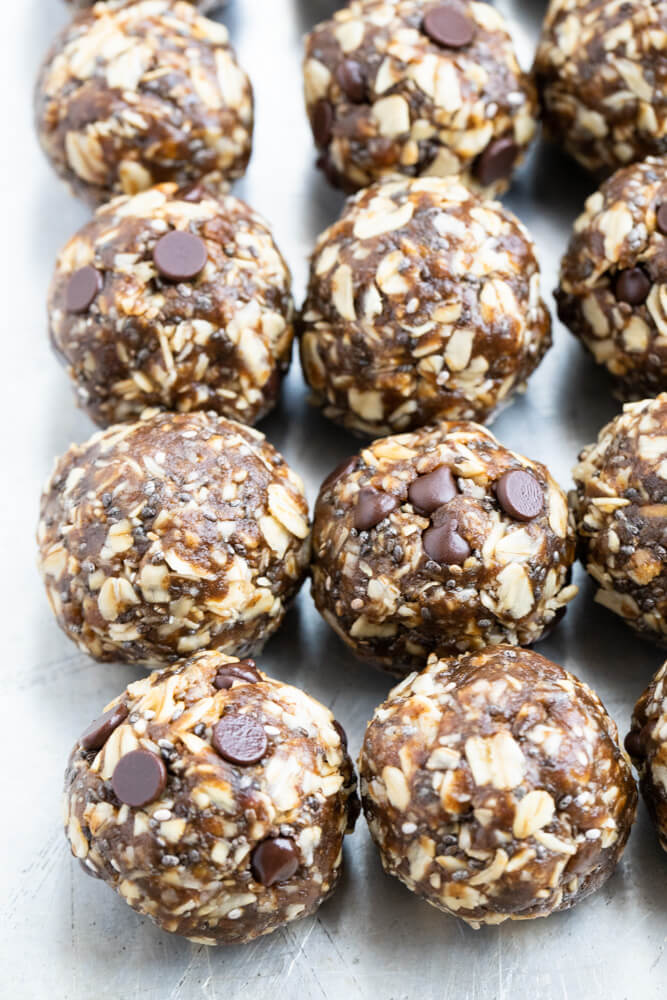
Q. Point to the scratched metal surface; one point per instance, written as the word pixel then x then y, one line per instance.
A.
pixel 67 936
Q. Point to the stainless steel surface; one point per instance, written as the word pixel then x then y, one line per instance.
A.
pixel 67 936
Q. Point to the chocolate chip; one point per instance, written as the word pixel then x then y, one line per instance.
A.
pixel 139 777
pixel 244 670
pixel 274 860
pixel 322 123
pixel 661 218
pixel 633 745
pixel 99 731
pixel 443 543
pixel 179 256
pixel 240 739
pixel 431 491
pixel 448 25
pixel 520 495
pixel 341 732
pixel 341 470
pixel 496 161
pixel 352 80
pixel 82 289
pixel 632 286
pixel 372 507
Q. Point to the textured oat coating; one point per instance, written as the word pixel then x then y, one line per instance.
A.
pixel 390 601
pixel 423 108
pixel 221 341
pixel 620 230
pixel 494 786
pixel 178 532
pixel 620 506
pixel 423 304
pixel 647 745
pixel 185 859
pixel 203 5
pixel 601 73
pixel 135 95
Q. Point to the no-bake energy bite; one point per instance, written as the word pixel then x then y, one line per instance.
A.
pixel 174 298
pixel 150 91
pixel 613 281
pixel 494 786
pixel 620 506
pixel 602 78
pixel 213 799
pixel 647 745
pixel 420 88
pixel 176 533
pixel 440 540
pixel 423 303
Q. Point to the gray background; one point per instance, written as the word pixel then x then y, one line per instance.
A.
pixel 66 936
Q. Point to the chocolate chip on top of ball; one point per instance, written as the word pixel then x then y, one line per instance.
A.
pixel 133 94
pixel 175 533
pixel 647 745
pixel 420 88
pixel 494 786
pixel 213 799
pixel 173 298
pixel 423 304
pixel 601 75
pixel 612 292
pixel 440 539
pixel 620 508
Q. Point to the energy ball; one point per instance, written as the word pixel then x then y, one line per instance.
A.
pixel 647 745
pixel 177 299
pixel 494 786
pixel 440 540
pixel 133 95
pixel 202 5
pixel 620 506
pixel 423 303
pixel 179 532
pixel 420 88
pixel 613 280
pixel 601 74
pixel 213 799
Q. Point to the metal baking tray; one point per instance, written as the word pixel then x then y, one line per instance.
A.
pixel 68 937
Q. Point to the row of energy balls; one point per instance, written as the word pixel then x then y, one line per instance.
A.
pixel 211 797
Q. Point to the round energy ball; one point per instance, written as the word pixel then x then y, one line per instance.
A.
pixel 174 298
pixel 423 303
pixel 146 92
pixel 440 540
pixel 620 507
pixel 494 786
pixel 420 88
pixel 613 280
pixel 179 532
pixel 213 799
pixel 601 74
pixel 647 745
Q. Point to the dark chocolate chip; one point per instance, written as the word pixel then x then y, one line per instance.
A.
pixel 633 744
pixel 431 491
pixel 661 218
pixel 449 25
pixel 632 286
pixel 139 777
pixel 341 732
pixel 275 860
pixel 82 289
pixel 322 123
pixel 179 255
pixel 352 80
pixel 496 161
pixel 444 544
pixel 353 811
pixel 240 739
pixel 520 495
pixel 372 507
pixel 341 470
pixel 244 670
pixel 99 731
